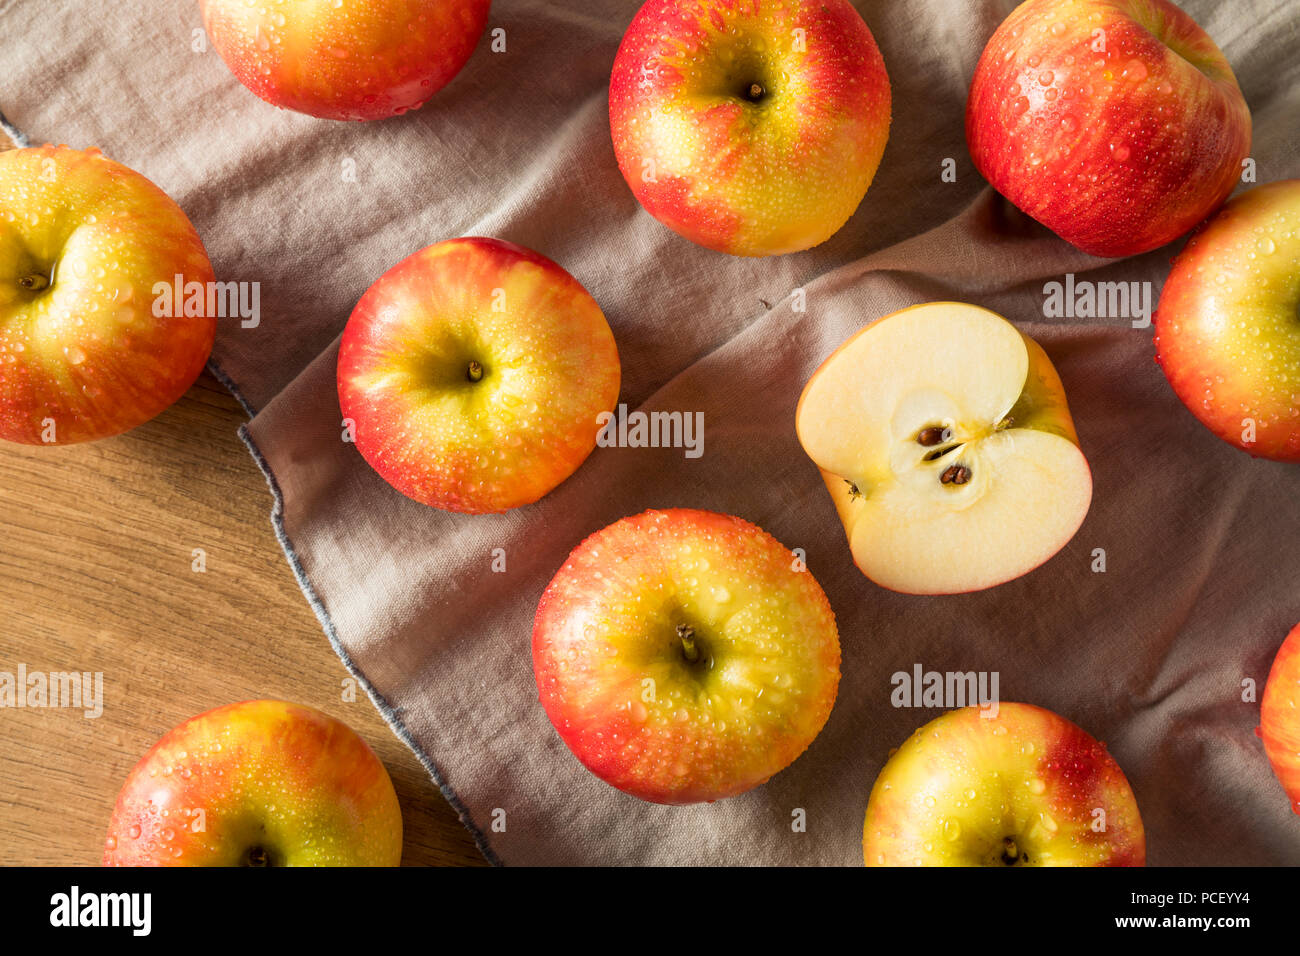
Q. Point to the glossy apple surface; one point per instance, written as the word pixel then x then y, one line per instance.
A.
pixel 1280 717
pixel 943 435
pixel 1023 788
pixel 1227 331
pixel 345 59
pixel 259 783
pixel 1117 124
pixel 83 241
pixel 751 128
pixel 685 656
pixel 475 371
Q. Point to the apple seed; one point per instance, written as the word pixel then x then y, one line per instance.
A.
pixel 933 435
pixel 955 475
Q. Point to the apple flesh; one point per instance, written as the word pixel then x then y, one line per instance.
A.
pixel 259 783
pixel 353 60
pixel 685 656
pixel 1279 717
pixel 1117 124
pixel 943 435
pixel 1227 330
pixel 83 240
pixel 755 128
pixel 1023 788
pixel 474 372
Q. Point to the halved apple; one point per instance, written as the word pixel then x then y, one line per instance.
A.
pixel 943 435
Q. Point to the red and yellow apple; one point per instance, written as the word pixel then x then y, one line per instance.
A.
pixel 345 59
pixel 1117 124
pixel 1279 717
pixel 1024 787
pixel 474 373
pixel 685 656
pixel 751 128
pixel 943 435
pixel 85 349
pixel 1227 331
pixel 260 783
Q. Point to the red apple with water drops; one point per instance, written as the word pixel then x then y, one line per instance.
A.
pixel 1117 124
pixel 259 783
pixel 1003 785
pixel 345 59
pixel 752 128
pixel 87 349
pixel 1279 717
pixel 1227 330
pixel 685 656
pixel 474 373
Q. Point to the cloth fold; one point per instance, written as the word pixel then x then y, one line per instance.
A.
pixel 1149 655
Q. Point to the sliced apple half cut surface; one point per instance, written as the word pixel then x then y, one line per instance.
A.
pixel 944 437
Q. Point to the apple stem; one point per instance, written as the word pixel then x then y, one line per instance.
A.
pixel 34 282
pixel 686 634
pixel 475 371
pixel 257 856
pixel 1010 852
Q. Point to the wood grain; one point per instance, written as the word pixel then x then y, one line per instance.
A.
pixel 97 549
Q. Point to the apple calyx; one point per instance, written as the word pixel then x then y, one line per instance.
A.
pixel 755 93
pixel 475 371
pixel 257 856
pixel 36 282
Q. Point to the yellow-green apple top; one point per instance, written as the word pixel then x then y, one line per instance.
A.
pixel 85 349
pixel 752 127
pixel 258 783
pixel 1117 124
pixel 1279 717
pixel 1227 330
pixel 1022 787
pixel 345 59
pixel 685 656
pixel 474 373
pixel 944 437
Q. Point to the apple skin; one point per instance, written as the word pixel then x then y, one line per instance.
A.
pixel 1279 717
pixel 279 784
pixel 1227 329
pixel 607 623
pixel 86 350
pixel 1036 778
pixel 749 178
pixel 549 367
pixel 355 60
pixel 1116 151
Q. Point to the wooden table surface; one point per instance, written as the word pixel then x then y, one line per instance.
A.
pixel 96 574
